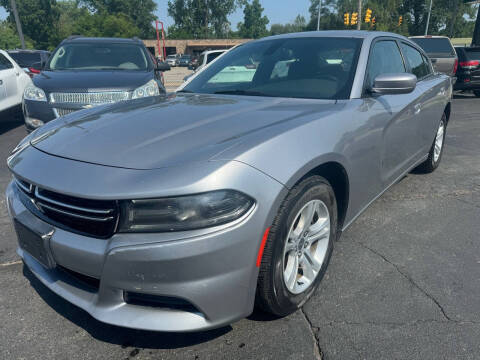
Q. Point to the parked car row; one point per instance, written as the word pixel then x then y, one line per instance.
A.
pixel 32 61
pixel 461 62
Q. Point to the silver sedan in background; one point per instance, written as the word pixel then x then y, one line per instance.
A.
pixel 180 212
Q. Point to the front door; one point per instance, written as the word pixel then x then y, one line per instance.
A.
pixel 395 113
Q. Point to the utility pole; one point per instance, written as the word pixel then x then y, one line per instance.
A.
pixel 428 17
pixel 359 23
pixel 476 31
pixel 17 21
pixel 319 10
pixel 206 19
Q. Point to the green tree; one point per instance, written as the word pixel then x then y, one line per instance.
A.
pixel 103 25
pixel 38 18
pixel 298 25
pixel 254 25
pixel 201 18
pixel 140 13
pixel 9 38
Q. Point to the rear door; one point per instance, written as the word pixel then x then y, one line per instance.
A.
pixel 8 83
pixel 430 90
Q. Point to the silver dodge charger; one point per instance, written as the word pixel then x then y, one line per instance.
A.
pixel 183 212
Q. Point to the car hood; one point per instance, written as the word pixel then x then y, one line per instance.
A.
pixel 83 81
pixel 167 131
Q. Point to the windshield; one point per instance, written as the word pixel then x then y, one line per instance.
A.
pixel 100 56
pixel 317 68
pixel 435 45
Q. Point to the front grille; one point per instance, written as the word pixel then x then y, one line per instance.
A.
pixel 97 218
pixel 90 98
pixel 62 112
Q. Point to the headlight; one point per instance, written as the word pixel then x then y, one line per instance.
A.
pixel 183 212
pixel 34 93
pixel 149 89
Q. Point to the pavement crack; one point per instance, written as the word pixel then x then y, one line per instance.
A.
pixel 394 323
pixel 10 263
pixel 317 352
pixel 409 279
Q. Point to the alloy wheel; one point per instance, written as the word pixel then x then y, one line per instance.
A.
pixel 306 246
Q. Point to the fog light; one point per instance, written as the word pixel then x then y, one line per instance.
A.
pixel 32 122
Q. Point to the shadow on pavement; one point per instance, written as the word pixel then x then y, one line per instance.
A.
pixel 118 335
pixel 10 119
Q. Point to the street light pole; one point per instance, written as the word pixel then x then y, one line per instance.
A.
pixel 359 22
pixel 319 10
pixel 17 21
pixel 428 17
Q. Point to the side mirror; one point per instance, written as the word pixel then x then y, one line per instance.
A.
pixel 162 66
pixel 391 84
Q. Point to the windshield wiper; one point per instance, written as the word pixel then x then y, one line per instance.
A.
pixel 241 92
pixel 185 91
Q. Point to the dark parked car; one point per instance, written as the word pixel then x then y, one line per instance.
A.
pixel 180 213
pixel 85 72
pixel 185 60
pixel 468 72
pixel 32 61
pixel 440 51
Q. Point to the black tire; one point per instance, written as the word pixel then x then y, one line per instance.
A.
pixel 431 164
pixel 272 294
pixel 476 93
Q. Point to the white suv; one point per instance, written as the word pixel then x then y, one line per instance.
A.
pixel 13 81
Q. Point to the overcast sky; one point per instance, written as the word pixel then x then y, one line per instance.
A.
pixel 278 11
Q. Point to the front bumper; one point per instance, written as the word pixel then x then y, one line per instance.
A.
pixel 211 269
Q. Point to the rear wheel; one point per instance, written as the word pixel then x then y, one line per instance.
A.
pixel 476 93
pixel 436 151
pixel 298 247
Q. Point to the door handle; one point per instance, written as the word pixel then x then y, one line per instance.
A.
pixel 418 108
pixel 1 82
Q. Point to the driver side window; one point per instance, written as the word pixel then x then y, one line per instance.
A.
pixel 385 58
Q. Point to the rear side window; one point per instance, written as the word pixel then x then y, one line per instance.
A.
pixel 418 65
pixel 473 54
pixel 26 59
pixel 435 45
pixel 212 56
pixel 5 63
pixel 385 58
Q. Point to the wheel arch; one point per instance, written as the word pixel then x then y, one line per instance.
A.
pixel 336 174
pixel 447 111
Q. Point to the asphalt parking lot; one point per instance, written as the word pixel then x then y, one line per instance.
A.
pixel 403 282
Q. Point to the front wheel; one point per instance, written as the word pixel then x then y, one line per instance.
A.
pixel 298 247
pixel 436 151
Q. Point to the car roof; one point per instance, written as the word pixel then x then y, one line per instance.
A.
pixel 428 37
pixel 101 40
pixel 361 34
pixel 214 51
pixel 27 51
